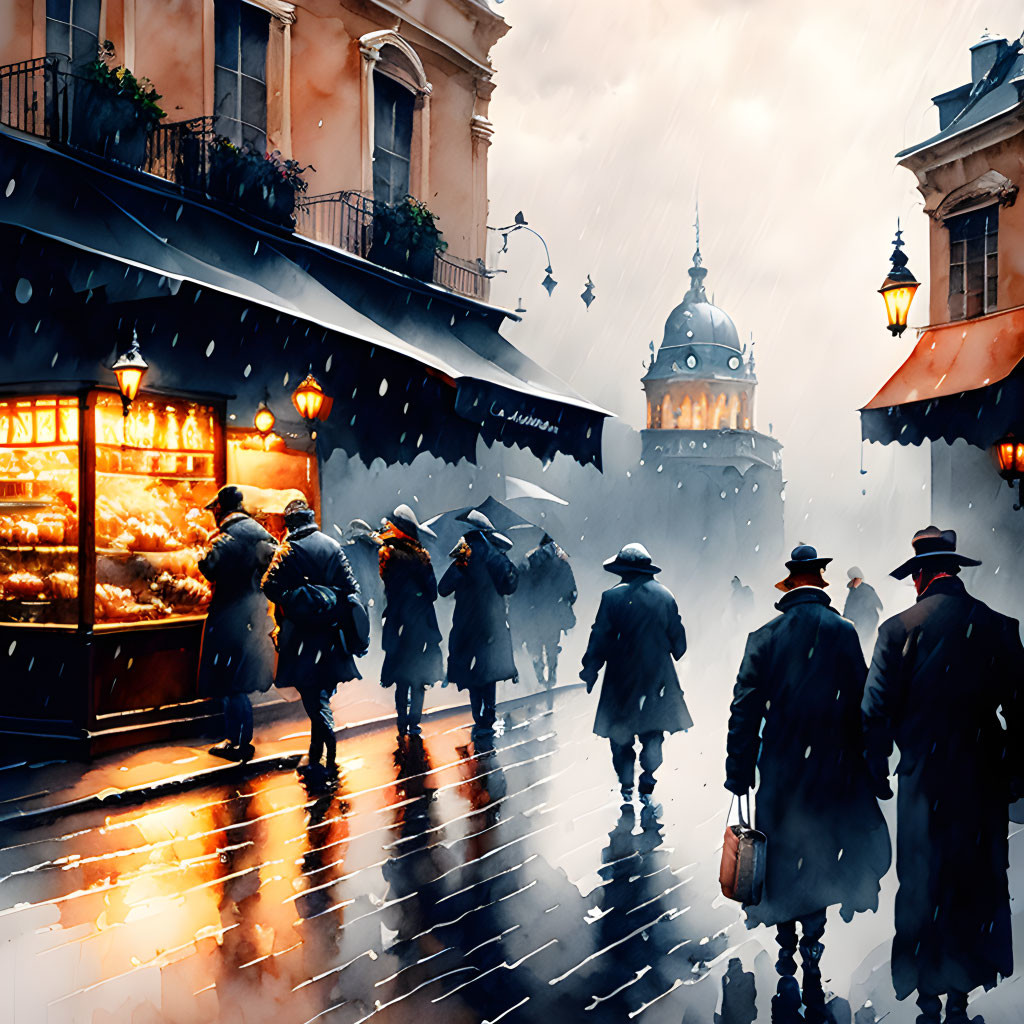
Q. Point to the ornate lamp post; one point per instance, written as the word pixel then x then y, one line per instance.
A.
pixel 899 287
pixel 1009 452
pixel 129 368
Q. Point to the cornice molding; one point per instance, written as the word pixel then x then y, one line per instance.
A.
pixel 279 9
pixel 371 44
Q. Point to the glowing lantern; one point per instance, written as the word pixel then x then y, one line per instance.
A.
pixel 898 288
pixel 129 369
pixel 1010 458
pixel 264 419
pixel 310 401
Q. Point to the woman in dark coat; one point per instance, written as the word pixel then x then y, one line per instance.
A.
pixel 941 674
pixel 411 639
pixel 636 636
pixel 237 654
pixel 480 645
pixel 312 654
pixel 796 717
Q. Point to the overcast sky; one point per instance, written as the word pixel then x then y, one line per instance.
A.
pixel 785 116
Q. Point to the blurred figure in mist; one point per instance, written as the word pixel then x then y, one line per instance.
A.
pixel 741 601
pixel 480 578
pixel 411 639
pixel 542 607
pixel 863 606
pixel 739 995
pixel 942 674
pixel 795 717
pixel 362 548
pixel 636 636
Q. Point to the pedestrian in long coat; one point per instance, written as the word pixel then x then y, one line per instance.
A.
pixel 411 639
pixel 636 637
pixel 237 656
pixel 543 607
pixel 362 549
pixel 941 674
pixel 480 644
pixel 312 653
pixel 795 717
pixel 863 606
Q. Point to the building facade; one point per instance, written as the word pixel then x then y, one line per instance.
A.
pixel 961 388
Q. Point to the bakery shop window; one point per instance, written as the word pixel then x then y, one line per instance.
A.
pixel 155 472
pixel 39 510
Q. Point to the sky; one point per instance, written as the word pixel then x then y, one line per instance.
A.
pixel 783 117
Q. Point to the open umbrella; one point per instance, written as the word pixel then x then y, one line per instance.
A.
pixel 523 534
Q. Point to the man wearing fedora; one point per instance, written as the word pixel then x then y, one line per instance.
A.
pixel 942 674
pixel 480 644
pixel 237 656
pixel 411 640
pixel 636 637
pixel 795 718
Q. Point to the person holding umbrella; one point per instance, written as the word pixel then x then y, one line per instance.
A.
pixel 480 645
pixel 411 639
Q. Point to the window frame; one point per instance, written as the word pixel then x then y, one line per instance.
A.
pixel 398 89
pixel 72 27
pixel 973 277
pixel 234 126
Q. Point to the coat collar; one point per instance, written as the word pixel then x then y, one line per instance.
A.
pixel 949 586
pixel 302 531
pixel 803 595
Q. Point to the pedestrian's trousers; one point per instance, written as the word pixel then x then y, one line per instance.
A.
pixel 482 700
pixel 237 719
pixel 321 725
pixel 624 760
pixel 409 707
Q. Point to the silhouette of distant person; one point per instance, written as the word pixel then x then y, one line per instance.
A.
pixel 863 606
pixel 636 637
pixel 795 717
pixel 543 607
pixel 741 600
pixel 942 674
pixel 411 639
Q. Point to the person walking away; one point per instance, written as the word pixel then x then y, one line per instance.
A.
pixel 942 673
pixel 310 583
pixel 411 639
pixel 480 644
pixel 362 549
pixel 795 717
pixel 237 656
pixel 543 607
pixel 863 606
pixel 741 601
pixel 636 636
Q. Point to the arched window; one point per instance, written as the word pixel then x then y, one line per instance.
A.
pixel 666 413
pixel 734 412
pixel 718 413
pixel 686 415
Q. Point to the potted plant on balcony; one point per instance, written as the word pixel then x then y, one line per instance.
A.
pixel 263 185
pixel 405 237
pixel 112 111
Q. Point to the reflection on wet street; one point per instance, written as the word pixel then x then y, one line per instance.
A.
pixel 432 885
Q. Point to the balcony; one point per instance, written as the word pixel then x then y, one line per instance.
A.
pixel 40 98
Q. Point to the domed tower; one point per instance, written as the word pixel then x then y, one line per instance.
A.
pixel 700 388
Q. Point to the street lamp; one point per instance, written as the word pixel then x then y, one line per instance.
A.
pixel 264 419
pixel 899 287
pixel 1010 459
pixel 519 224
pixel 310 401
pixel 129 369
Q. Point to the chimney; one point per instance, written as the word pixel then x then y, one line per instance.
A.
pixel 984 54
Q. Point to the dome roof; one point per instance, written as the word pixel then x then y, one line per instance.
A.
pixel 700 340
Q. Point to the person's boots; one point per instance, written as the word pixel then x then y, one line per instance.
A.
pixel 930 1007
pixel 956 1010
pixel 813 995
pixel 786 1001
pixel 416 695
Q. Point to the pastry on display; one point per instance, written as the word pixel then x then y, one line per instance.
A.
pixel 63 585
pixel 24 585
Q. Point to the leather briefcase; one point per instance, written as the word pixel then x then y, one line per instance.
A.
pixel 743 858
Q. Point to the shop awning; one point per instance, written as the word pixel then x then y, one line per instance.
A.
pixel 960 381
pixel 502 393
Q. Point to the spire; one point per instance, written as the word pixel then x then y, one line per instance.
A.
pixel 698 271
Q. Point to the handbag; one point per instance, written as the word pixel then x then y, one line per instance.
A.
pixel 741 875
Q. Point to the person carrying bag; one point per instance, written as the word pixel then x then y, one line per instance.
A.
pixel 741 875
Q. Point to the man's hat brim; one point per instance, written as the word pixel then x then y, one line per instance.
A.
pixel 807 564
pixel 622 568
pixel 911 565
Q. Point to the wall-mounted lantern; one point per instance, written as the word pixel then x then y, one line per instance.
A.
pixel 310 401
pixel 1009 452
pixel 129 368
pixel 899 287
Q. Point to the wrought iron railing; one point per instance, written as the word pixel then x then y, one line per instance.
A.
pixel 342 219
pixel 31 95
pixel 180 152
pixel 462 276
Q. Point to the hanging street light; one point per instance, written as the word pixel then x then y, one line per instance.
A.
pixel 310 401
pixel 1009 452
pixel 899 287
pixel 129 369
pixel 264 419
pixel 519 224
